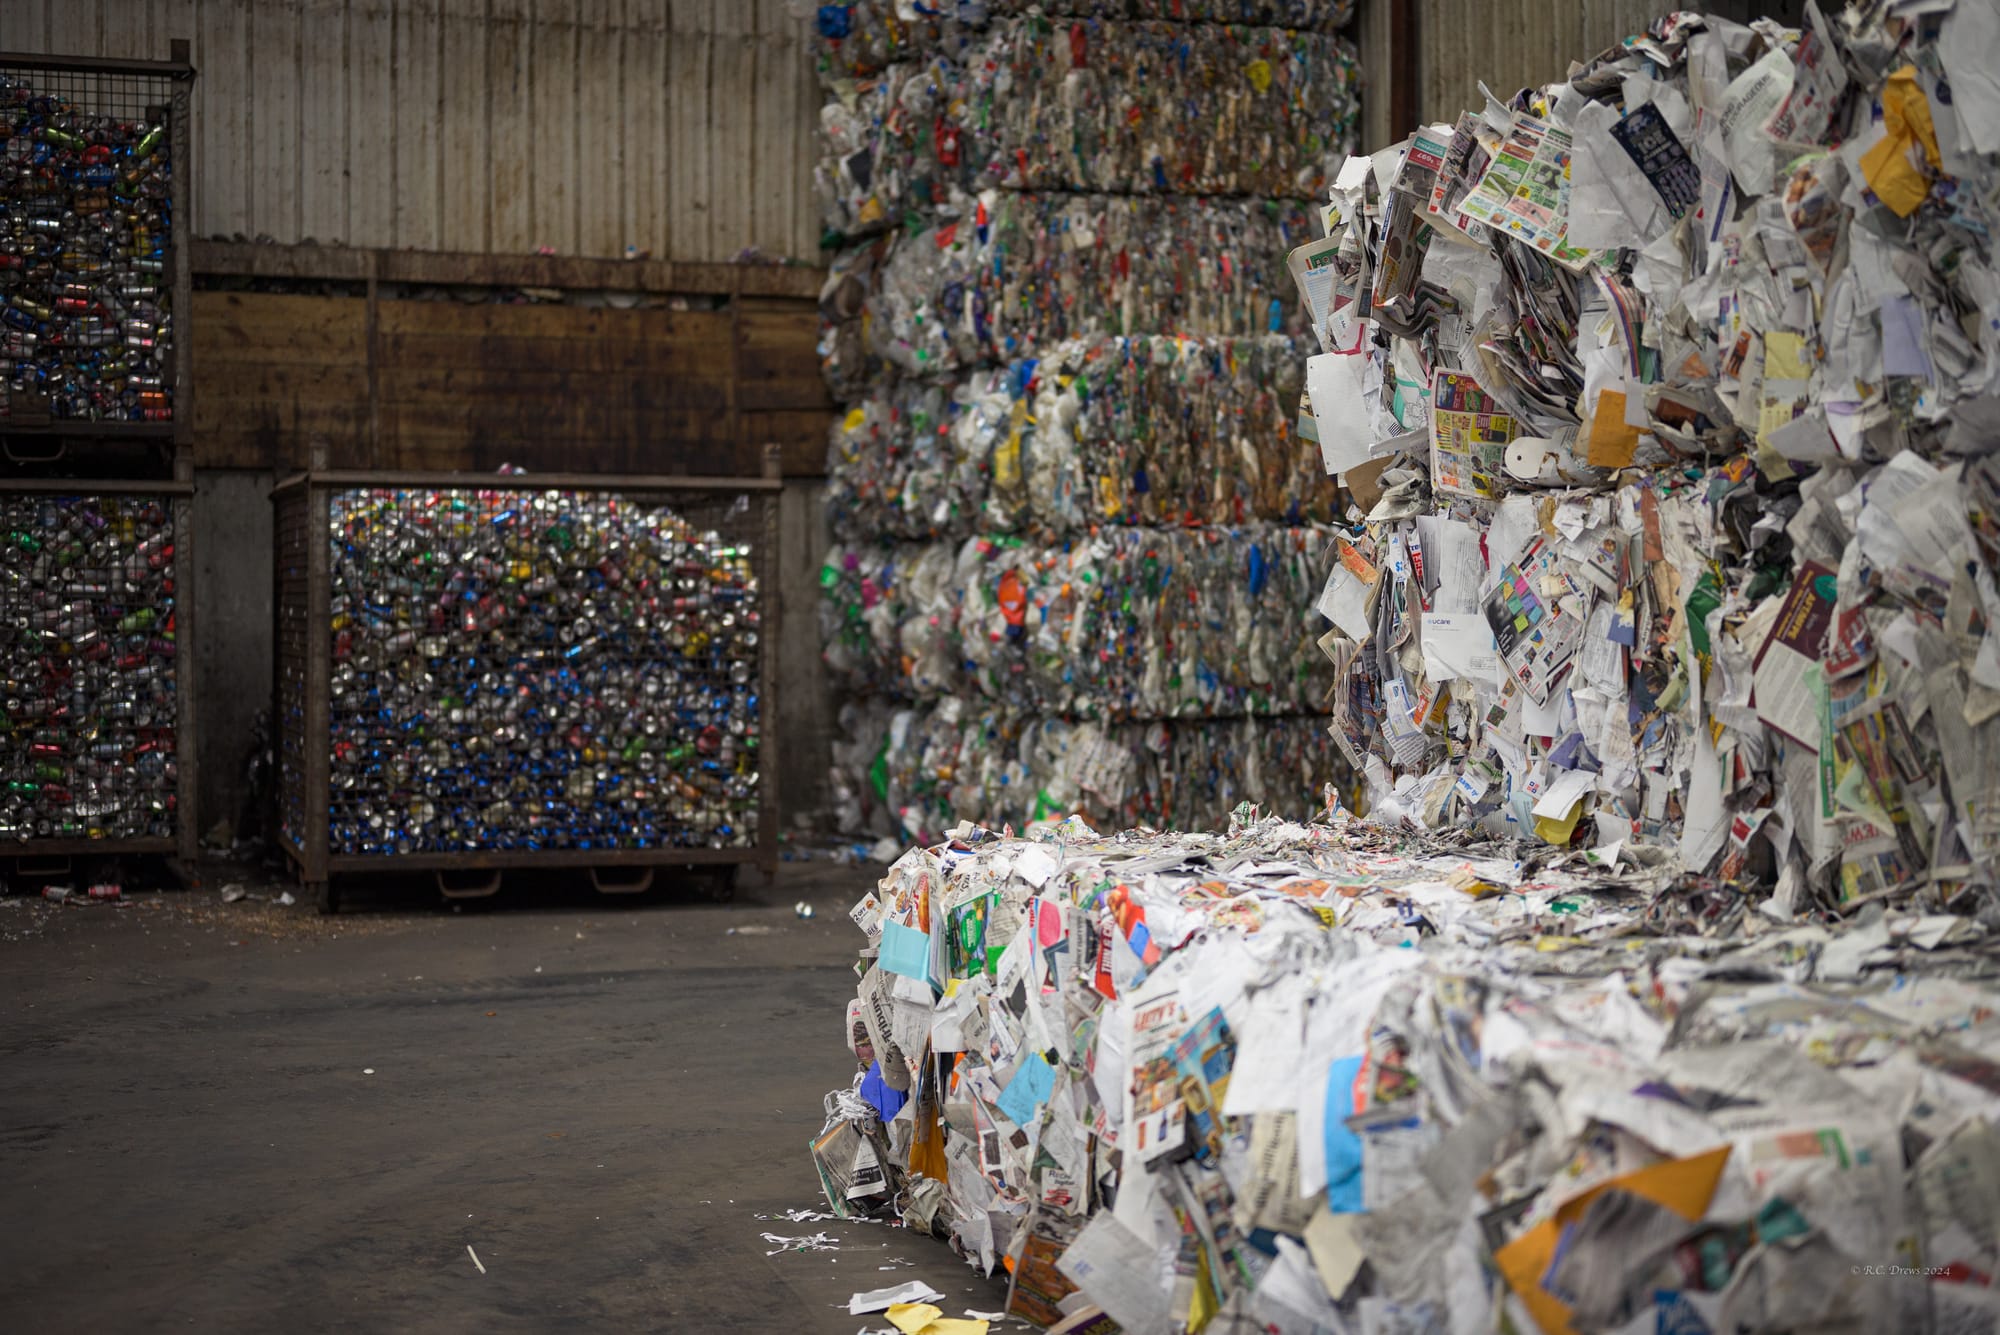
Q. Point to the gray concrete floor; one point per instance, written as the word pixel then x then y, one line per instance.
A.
pixel 609 1100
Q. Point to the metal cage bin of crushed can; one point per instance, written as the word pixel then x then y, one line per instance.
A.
pixel 94 255
pixel 96 671
pixel 524 670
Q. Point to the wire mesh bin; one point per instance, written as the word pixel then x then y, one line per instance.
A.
pixel 93 252
pixel 97 739
pixel 552 670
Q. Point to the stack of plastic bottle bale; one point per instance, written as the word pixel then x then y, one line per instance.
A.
pixel 1073 523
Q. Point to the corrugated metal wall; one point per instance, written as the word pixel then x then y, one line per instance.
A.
pixel 682 127
pixel 1511 44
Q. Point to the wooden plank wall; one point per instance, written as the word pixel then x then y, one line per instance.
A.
pixel 681 127
pixel 389 383
pixel 1510 46
pixel 780 393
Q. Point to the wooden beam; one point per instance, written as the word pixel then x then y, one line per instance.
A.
pixel 463 268
pixel 450 385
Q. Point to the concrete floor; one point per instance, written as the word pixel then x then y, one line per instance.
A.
pixel 608 1099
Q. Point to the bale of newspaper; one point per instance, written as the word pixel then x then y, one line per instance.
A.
pixel 1669 398
pixel 1302 1078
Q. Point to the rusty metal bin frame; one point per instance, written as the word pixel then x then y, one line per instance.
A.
pixel 82 78
pixel 302 664
pixel 183 842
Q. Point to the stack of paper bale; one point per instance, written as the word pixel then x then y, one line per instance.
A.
pixel 1673 392
pixel 1066 491
pixel 1339 1078
pixel 1655 989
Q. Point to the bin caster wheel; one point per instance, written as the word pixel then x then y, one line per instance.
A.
pixel 327 896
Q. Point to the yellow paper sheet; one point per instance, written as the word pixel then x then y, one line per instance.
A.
pixel 1785 356
pixel 1203 1306
pixel 924 1319
pixel 1611 441
pixel 1558 832
pixel 1906 121
pixel 913 1317
pixel 1684 1186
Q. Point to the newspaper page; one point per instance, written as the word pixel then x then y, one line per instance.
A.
pixel 1876 741
pixel 1652 145
pixel 1038 1287
pixel 1782 699
pixel 1818 80
pixel 1486 202
pixel 1469 436
pixel 1754 97
pixel 1116 1269
pixel 1405 233
pixel 1314 267
pixel 1534 636
pixel 1534 212
pixel 1465 161
pixel 848 1167
pixel 1525 190
pixel 1203 1056
pixel 1158 1114
pixel 1271 1202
